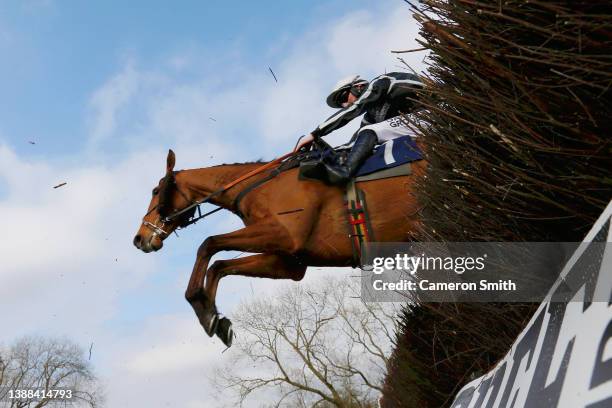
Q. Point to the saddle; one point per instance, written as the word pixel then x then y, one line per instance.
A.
pixel 386 160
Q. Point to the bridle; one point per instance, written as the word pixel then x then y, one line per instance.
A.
pixel 158 226
pixel 158 229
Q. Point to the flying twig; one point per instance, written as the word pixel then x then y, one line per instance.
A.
pixel 272 72
pixel 60 185
pixel 241 253
pixel 411 50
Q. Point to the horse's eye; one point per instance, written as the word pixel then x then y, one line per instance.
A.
pixel 155 191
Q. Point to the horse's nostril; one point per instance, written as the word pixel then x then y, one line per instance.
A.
pixel 137 240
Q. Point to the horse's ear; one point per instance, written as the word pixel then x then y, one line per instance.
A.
pixel 170 161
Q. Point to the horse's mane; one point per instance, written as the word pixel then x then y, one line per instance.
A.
pixel 233 164
pixel 260 161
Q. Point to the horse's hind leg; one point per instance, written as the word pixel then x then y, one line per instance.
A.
pixel 270 266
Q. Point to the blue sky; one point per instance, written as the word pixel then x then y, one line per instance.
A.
pixel 61 51
pixel 104 89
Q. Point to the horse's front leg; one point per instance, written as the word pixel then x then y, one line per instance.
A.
pixel 264 238
pixel 195 294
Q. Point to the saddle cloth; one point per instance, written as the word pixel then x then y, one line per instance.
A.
pixel 380 164
pixel 390 154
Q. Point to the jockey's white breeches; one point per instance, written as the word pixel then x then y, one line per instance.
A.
pixel 389 129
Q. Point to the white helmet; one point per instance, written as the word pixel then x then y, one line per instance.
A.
pixel 343 87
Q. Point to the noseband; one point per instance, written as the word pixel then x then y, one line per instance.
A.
pixel 157 230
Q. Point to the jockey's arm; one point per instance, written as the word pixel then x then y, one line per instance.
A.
pixel 304 141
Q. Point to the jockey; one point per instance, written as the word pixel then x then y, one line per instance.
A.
pixel 383 100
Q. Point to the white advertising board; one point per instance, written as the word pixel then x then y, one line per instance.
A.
pixel 563 357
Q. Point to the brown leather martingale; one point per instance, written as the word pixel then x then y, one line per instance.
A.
pixel 360 230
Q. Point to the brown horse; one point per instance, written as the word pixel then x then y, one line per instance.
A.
pixel 290 224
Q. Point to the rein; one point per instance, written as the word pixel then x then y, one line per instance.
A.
pixel 196 204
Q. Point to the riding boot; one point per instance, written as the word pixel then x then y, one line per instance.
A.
pixel 341 174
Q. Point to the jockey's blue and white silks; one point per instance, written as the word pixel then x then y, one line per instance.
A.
pixel 392 153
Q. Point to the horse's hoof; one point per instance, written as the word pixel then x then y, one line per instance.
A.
pixel 211 327
pixel 225 331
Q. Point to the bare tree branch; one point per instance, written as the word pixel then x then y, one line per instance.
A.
pixel 34 363
pixel 310 345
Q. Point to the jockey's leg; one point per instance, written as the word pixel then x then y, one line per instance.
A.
pixel 367 137
pixel 365 142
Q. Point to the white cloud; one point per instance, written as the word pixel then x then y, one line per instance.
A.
pixel 179 349
pixel 163 106
pixel 107 101
pixel 362 43
pixel 359 43
pixel 67 246
pixel 164 363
